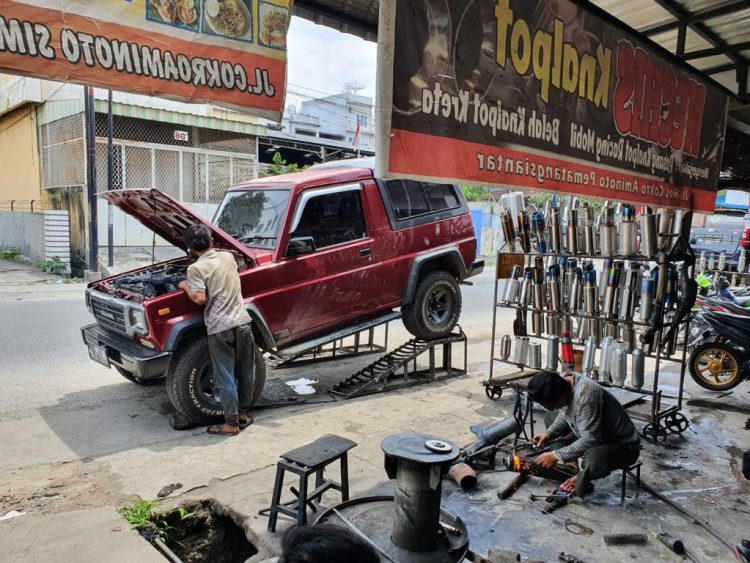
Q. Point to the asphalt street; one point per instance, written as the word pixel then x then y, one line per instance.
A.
pixel 50 383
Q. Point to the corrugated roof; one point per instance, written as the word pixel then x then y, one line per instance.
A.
pixel 716 32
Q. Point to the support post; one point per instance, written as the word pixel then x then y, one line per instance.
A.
pixel 90 119
pixel 110 181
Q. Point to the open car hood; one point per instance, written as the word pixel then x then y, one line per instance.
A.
pixel 169 218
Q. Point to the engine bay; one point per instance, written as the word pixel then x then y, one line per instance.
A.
pixel 157 280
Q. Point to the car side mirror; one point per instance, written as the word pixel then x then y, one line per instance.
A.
pixel 299 246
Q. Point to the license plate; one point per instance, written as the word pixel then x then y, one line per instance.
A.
pixel 99 354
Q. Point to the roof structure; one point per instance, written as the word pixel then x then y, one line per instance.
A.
pixel 713 36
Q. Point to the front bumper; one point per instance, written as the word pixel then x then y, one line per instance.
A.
pixel 477 267
pixel 138 360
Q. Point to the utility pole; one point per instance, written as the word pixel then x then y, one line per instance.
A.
pixel 90 121
pixel 110 180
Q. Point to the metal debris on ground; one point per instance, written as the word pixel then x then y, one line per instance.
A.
pixel 168 489
pixel 625 539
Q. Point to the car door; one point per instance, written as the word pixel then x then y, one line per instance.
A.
pixel 328 285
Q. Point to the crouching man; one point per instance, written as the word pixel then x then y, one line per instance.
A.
pixel 584 421
pixel 213 281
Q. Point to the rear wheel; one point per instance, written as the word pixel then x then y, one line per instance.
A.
pixel 716 366
pixel 190 387
pixel 130 376
pixel 436 306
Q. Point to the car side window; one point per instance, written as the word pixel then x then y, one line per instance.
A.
pixel 410 198
pixel 332 219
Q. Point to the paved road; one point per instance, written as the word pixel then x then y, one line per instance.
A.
pixel 48 380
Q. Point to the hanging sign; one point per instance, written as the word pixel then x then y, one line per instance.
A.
pixel 226 52
pixel 542 94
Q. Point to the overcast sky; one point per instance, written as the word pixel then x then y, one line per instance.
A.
pixel 322 60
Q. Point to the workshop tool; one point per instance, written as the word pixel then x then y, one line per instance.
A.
pixel 608 232
pixel 553 345
pixel 664 229
pixel 566 347
pixel 509 231
pixel 572 232
pixel 508 491
pixel 505 347
pixel 604 278
pixel 555 235
pixel 512 286
pixel 464 475
pixel 628 231
pixel 528 466
pixel 524 231
pixel 539 228
pixel 625 539
pixel 648 233
pixel 553 501
pixel 637 372
pixel 589 238
pixel 589 352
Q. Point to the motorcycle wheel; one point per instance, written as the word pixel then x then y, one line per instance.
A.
pixel 716 366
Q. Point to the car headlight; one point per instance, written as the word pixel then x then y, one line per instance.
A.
pixel 138 321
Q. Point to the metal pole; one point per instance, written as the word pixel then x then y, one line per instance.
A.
pixel 90 118
pixel 110 181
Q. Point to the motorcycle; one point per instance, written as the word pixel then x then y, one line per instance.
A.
pixel 720 356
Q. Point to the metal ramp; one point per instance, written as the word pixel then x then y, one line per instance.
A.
pixel 354 340
pixel 400 368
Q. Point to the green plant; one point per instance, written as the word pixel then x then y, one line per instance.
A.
pixel 54 266
pixel 167 526
pixel 474 193
pixel 280 166
pixel 9 253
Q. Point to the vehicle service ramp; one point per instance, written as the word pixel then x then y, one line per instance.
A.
pixel 354 340
pixel 401 367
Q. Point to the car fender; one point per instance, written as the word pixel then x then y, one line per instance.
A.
pixel 450 255
pixel 187 328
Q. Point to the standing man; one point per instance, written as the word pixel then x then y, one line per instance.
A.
pixel 213 281
pixel 592 423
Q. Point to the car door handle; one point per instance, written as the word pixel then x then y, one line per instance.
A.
pixel 365 252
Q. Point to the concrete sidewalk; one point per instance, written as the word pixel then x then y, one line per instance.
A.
pixel 98 534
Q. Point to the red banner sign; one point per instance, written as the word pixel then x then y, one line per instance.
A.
pixel 544 95
pixel 226 52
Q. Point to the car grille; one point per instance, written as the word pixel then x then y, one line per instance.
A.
pixel 109 316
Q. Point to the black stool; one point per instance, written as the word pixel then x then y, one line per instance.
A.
pixel 637 477
pixel 304 461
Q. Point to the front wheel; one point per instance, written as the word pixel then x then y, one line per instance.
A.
pixel 716 366
pixel 190 387
pixel 436 306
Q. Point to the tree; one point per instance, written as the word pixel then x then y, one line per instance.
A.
pixel 279 166
pixel 474 193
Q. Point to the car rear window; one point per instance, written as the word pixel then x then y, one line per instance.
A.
pixel 411 199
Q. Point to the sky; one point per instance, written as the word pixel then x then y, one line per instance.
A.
pixel 321 60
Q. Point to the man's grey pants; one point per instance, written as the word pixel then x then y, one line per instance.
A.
pixel 233 357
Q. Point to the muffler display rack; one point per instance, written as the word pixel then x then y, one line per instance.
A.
pixel 616 297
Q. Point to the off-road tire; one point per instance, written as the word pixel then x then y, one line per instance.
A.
pixel 732 364
pixel 183 378
pixel 130 376
pixel 435 308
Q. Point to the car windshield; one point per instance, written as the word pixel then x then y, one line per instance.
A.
pixel 253 217
pixel 717 233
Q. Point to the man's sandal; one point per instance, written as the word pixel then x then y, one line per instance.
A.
pixel 218 430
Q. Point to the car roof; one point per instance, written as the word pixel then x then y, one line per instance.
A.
pixel 338 172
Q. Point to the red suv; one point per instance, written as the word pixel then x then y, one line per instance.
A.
pixel 318 251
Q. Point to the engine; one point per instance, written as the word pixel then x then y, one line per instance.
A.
pixel 150 283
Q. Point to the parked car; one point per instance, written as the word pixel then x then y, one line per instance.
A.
pixel 722 233
pixel 317 251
